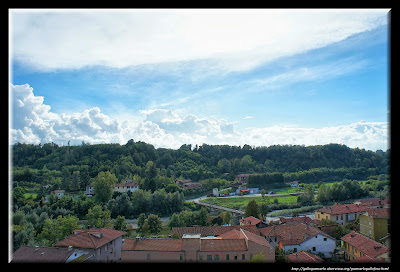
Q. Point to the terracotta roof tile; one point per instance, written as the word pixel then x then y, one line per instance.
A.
pixel 364 244
pixel 342 209
pixel 378 212
pixel 211 230
pixel 153 244
pixel 250 220
pixel 304 257
pixel 223 245
pixel 89 238
pixel 32 254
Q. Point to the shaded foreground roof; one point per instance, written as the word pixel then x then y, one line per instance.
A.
pixel 32 254
pixel 153 244
pixel 304 257
pixel 89 238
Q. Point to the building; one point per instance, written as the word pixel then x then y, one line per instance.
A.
pixel 252 221
pixel 40 254
pixel 297 236
pixel 294 184
pixel 215 231
pixel 103 245
pixel 356 245
pixel 341 214
pixel 127 186
pixel 375 223
pixel 303 257
pixel 59 193
pixel 373 202
pixel 187 184
pixel 89 190
pixel 235 246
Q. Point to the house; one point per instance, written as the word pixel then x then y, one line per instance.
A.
pixel 294 184
pixel 103 244
pixel 237 246
pixel 252 221
pixel 303 257
pixel 375 223
pixel 89 190
pixel 243 178
pixel 127 186
pixel 296 236
pixel 373 202
pixel 40 254
pixel 341 214
pixel 304 219
pixel 356 245
pixel 59 193
pixel 187 184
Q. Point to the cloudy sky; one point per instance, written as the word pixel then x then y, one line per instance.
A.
pixel 171 77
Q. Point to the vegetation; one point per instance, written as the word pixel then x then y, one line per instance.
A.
pixel 39 217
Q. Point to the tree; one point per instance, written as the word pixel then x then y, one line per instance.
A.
pixel 151 173
pixel 120 224
pixel 98 218
pixel 252 209
pixel 155 224
pixel 174 221
pixel 103 185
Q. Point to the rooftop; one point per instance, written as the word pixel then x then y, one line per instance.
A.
pixel 89 238
pixel 365 245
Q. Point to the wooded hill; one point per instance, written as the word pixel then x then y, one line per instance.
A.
pixel 73 167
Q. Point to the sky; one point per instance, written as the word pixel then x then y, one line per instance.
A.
pixel 191 76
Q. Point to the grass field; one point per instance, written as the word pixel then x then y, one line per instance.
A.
pixel 240 203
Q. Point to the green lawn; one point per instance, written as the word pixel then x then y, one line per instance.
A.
pixel 240 203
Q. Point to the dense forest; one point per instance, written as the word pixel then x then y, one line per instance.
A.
pixel 72 167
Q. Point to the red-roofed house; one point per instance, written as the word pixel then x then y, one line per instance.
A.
pixel 104 244
pixel 235 246
pixel 39 254
pixel 297 236
pixel 252 221
pixel 357 245
pixel 340 214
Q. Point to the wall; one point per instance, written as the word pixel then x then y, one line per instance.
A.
pixel 326 247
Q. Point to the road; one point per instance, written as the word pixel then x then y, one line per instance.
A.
pixel 198 202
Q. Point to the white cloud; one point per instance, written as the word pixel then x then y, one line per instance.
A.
pixel 33 122
pixel 238 39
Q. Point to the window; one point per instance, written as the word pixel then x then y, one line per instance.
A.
pixel 325 239
pixel 209 257
pixel 148 256
pixel 201 257
pixel 314 249
pixel 181 257
pixel 243 257
pixel 235 257
pixel 216 257
pixel 295 249
pixel 227 257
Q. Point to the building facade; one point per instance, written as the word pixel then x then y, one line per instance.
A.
pixel 235 246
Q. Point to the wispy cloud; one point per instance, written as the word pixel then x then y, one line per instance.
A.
pixel 238 39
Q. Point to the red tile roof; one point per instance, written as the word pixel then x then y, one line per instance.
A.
pixel 304 257
pixel 378 212
pixel 211 230
pixel 90 238
pixel 365 245
pixel 153 244
pixel 223 245
pixel 250 220
pixel 32 254
pixel 293 233
pixel 343 209
pixel 255 238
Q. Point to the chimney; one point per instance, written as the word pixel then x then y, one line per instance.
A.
pixel 36 248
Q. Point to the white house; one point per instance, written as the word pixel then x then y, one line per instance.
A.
pixel 296 236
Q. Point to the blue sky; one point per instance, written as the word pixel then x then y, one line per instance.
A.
pixel 260 77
